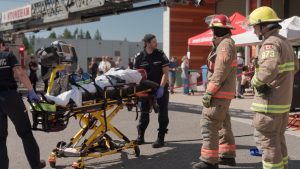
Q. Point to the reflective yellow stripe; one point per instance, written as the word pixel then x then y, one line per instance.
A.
pixel 285 160
pixel 256 82
pixel 286 64
pixel 270 108
pixel 286 67
pixel 267 165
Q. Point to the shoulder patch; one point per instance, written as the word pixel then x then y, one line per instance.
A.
pixel 268 47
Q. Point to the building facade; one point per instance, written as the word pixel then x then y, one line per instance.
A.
pixel 185 21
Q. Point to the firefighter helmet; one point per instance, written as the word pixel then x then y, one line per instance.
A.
pixel 218 21
pixel 262 15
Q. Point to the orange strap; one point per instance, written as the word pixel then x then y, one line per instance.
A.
pixel 212 88
pixel 223 148
pixel 209 153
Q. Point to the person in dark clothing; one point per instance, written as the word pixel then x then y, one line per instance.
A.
pixel 33 67
pixel 93 68
pixel 44 72
pixel 156 64
pixel 172 73
pixel 12 106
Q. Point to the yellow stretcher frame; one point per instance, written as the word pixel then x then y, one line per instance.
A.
pixel 98 131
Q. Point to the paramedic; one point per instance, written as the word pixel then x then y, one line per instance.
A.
pixel 12 106
pixel 156 64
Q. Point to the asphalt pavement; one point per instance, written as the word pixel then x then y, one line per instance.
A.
pixel 183 141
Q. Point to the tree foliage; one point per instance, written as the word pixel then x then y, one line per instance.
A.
pixel 88 35
pixel 67 34
pixel 52 35
pixel 97 35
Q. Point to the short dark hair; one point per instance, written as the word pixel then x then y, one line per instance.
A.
pixel 148 38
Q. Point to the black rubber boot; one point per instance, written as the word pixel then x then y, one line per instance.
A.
pixel 227 161
pixel 41 165
pixel 160 141
pixel 140 139
pixel 204 165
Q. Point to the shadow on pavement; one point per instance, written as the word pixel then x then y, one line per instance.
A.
pixel 179 155
pixel 197 109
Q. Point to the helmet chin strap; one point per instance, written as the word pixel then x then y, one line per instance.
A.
pixel 260 36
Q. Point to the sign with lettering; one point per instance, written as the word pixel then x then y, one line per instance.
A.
pixel 16 14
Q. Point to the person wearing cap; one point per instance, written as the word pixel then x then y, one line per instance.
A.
pixel 156 64
pixel 218 145
pixel 273 82
pixel 12 106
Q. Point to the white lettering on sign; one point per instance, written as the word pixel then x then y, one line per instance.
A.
pixel 16 14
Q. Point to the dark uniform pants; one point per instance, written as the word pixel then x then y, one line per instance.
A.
pixel 270 131
pixel 218 139
pixel 163 118
pixel 12 106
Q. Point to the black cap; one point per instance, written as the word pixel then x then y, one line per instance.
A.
pixel 148 37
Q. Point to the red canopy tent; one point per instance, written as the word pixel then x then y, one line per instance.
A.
pixel 204 39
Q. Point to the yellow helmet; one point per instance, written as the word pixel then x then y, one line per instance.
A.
pixel 263 14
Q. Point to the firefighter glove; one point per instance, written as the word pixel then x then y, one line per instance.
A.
pixel 160 92
pixel 32 96
pixel 206 100
pixel 263 89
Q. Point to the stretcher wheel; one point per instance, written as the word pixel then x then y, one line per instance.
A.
pixel 137 151
pixel 52 164
pixel 78 165
pixel 52 160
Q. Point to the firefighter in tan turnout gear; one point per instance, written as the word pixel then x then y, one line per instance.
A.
pixel 273 81
pixel 218 141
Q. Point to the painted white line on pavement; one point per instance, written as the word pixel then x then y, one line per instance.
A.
pixel 249 122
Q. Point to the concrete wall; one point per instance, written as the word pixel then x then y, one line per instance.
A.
pixel 94 48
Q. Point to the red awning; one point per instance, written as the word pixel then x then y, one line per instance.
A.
pixel 204 39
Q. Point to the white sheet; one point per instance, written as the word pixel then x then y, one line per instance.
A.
pixel 130 76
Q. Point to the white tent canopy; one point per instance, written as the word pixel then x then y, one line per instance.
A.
pixel 290 29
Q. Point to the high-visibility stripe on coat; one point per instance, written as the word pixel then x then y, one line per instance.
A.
pixel 277 66
pixel 222 64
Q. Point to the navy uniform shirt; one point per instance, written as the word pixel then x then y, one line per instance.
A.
pixel 153 64
pixel 7 61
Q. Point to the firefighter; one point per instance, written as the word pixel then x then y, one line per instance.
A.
pixel 218 145
pixel 156 64
pixel 12 106
pixel 273 81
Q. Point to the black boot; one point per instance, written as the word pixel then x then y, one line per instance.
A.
pixel 227 161
pixel 160 142
pixel 204 165
pixel 140 139
pixel 41 165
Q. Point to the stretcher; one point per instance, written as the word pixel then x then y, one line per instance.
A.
pixel 95 116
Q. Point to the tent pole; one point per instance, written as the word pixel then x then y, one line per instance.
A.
pixel 247 48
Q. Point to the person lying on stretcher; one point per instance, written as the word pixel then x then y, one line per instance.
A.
pixel 79 88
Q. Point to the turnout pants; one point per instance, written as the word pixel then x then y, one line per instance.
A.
pixel 270 131
pixel 163 118
pixel 12 106
pixel 218 139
